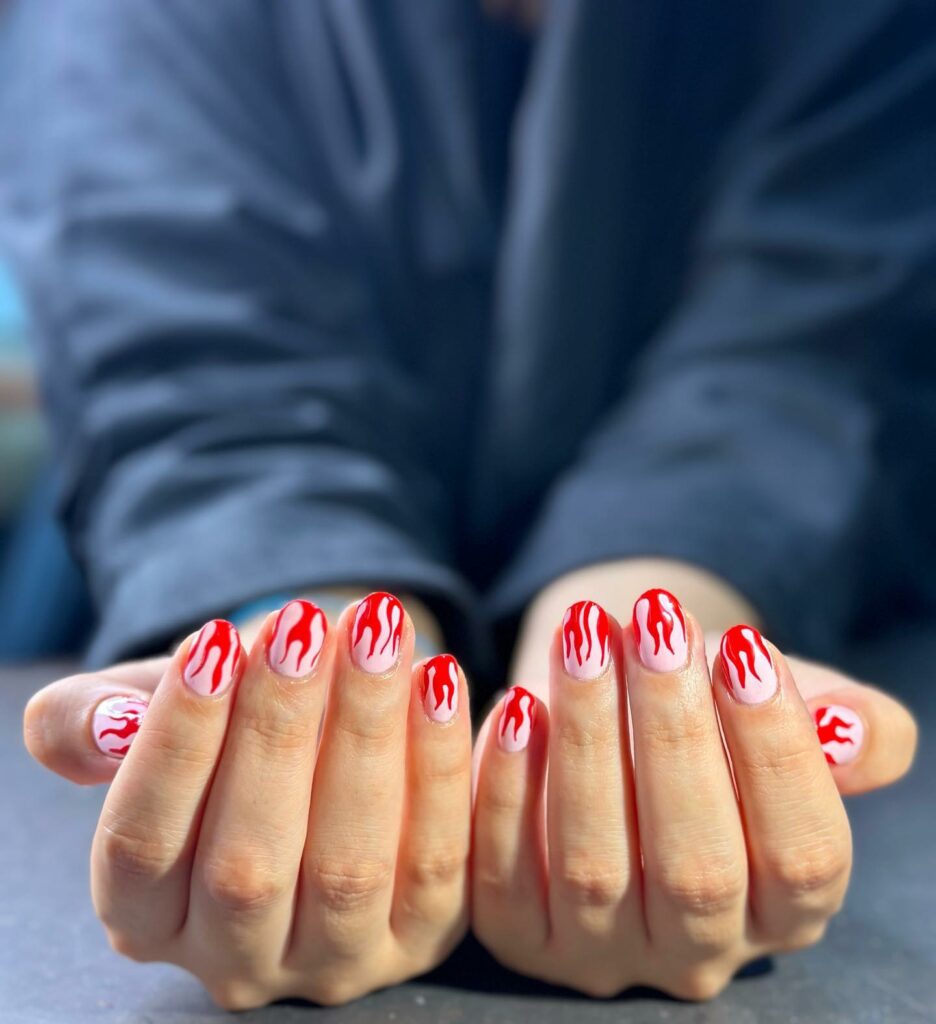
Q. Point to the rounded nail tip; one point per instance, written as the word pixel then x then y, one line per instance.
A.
pixel 660 631
pixel 517 719
pixel 440 688
pixel 377 633
pixel 841 733
pixel 586 641
pixel 213 659
pixel 294 646
pixel 115 723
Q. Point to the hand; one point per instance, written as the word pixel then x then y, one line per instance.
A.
pixel 234 844
pixel 633 861
pixel 886 734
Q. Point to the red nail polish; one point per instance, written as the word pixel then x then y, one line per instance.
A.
pixel 840 731
pixel 749 669
pixel 586 640
pixel 116 722
pixel 516 721
pixel 377 632
pixel 213 657
pixel 660 631
pixel 440 687
pixel 297 638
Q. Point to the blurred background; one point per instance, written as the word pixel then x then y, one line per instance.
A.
pixel 44 606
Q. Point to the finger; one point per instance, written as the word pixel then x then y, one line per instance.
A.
pixel 695 867
pixel 254 826
pixel 430 900
pixel 594 855
pixel 509 903
pixel 82 727
pixel 868 737
pixel 357 796
pixel 799 843
pixel 145 839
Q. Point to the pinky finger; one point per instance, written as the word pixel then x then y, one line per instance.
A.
pixel 81 727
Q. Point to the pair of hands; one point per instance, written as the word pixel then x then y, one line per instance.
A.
pixel 297 820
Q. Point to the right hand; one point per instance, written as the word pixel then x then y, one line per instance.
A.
pixel 271 841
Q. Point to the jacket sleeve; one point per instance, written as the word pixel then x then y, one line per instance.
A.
pixel 775 432
pixel 230 417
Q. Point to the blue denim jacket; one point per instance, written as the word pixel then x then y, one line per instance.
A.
pixel 352 292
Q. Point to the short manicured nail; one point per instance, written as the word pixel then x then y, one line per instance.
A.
pixel 840 731
pixel 516 721
pixel 660 631
pixel 297 639
pixel 586 640
pixel 116 721
pixel 213 658
pixel 440 687
pixel 376 633
pixel 749 670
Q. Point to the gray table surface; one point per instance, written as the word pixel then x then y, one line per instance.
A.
pixel 878 962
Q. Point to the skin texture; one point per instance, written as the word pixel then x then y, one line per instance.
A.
pixel 270 865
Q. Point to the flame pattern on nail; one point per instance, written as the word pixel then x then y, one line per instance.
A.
pixel 586 640
pixel 297 639
pixel 377 632
pixel 516 721
pixel 116 722
pixel 840 731
pixel 749 669
pixel 213 658
pixel 440 688
pixel 660 631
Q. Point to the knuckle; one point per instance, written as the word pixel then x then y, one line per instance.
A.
pixel 241 882
pixel 275 731
pixel 349 884
pixel 811 870
pixel 163 746
pixel 590 882
pixel 680 734
pixel 802 938
pixel 130 946
pixel 146 857
pixel 441 867
pixel 335 990
pixel 698 983
pixel 237 994
pixel 708 885
pixel 600 985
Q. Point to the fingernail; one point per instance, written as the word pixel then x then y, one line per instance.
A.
pixel 660 631
pixel 749 669
pixel 116 721
pixel 440 688
pixel 840 731
pixel 297 639
pixel 376 633
pixel 586 640
pixel 516 720
pixel 212 660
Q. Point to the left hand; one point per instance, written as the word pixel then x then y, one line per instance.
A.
pixel 648 868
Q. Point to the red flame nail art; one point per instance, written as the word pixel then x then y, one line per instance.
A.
pixel 377 632
pixel 516 721
pixel 440 688
pixel 297 639
pixel 116 722
pixel 840 731
pixel 748 666
pixel 586 640
pixel 660 631
pixel 212 660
